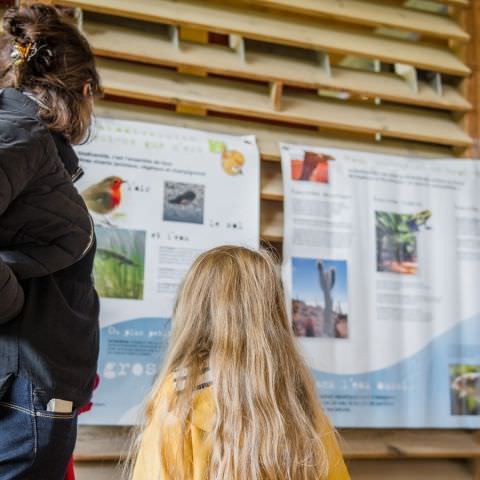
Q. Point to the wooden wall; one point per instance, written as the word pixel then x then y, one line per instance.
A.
pixel 373 75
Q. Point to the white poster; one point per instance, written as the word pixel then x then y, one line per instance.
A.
pixel 159 196
pixel 382 274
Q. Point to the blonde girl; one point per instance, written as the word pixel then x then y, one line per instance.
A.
pixel 235 400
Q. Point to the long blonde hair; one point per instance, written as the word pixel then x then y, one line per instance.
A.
pixel 230 316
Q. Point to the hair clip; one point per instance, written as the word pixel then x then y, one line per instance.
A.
pixel 21 53
pixel 24 53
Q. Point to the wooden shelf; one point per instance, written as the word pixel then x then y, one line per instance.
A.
pixel 458 3
pixel 371 14
pixel 158 85
pixel 271 187
pixel 112 443
pixel 279 28
pixel 140 45
pixel 102 443
pixel 359 470
pixel 271 221
pixel 98 471
pixel 411 470
pixel 269 136
pixel 369 444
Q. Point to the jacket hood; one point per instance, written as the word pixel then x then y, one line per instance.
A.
pixel 13 99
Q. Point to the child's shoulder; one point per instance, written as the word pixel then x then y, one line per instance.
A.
pixel 202 406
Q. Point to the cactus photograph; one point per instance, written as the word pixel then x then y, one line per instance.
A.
pixel 319 298
pixel 397 240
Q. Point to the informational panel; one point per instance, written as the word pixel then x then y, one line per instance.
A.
pixel 382 274
pixel 159 196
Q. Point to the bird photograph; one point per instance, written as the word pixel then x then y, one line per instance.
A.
pixel 183 202
pixel 185 198
pixel 104 198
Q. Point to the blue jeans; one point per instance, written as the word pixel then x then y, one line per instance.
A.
pixel 34 444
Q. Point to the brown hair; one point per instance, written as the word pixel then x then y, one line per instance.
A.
pixel 58 67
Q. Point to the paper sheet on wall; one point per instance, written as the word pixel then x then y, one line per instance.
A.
pixel 159 196
pixel 382 274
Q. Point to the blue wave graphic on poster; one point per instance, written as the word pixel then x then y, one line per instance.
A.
pixel 438 387
pixel 130 354
pixel 419 392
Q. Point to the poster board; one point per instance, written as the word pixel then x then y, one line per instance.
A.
pixel 159 196
pixel 382 274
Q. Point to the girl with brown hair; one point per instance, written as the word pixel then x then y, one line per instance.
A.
pixel 235 400
pixel 48 304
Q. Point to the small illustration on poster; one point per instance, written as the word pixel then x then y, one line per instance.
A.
pixel 183 202
pixel 397 240
pixel 465 389
pixel 319 303
pixel 104 197
pixel 119 263
pixel 313 167
pixel 232 162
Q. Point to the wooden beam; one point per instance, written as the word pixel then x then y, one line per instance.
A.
pixel 371 14
pixel 196 35
pixel 409 469
pixel 112 443
pixel 471 20
pixel 98 471
pixel 269 136
pixel 305 33
pixel 139 45
pixel 156 85
pixel 276 89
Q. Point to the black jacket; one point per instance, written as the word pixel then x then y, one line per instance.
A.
pixel 48 304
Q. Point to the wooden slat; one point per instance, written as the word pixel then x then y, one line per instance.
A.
pixel 111 444
pixel 372 14
pixel 268 136
pixel 138 44
pixel 98 471
pixel 157 85
pixel 102 443
pixel 271 221
pixel 459 3
pixel 359 470
pixel 280 29
pixel 365 444
pixel 409 470
pixel 271 182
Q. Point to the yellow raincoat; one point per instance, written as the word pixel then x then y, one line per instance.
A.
pixel 196 449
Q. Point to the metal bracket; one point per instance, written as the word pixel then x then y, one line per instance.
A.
pixel 377 68
pixel 276 90
pixel 409 74
pixel 436 83
pixel 79 18
pixel 323 59
pixel 237 43
pixel 174 35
